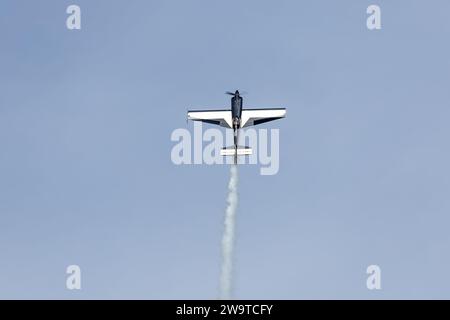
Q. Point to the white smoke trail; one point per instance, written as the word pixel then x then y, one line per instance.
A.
pixel 228 235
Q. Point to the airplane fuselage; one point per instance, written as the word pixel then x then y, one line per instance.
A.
pixel 236 113
pixel 236 109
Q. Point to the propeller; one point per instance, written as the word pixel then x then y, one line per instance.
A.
pixel 232 93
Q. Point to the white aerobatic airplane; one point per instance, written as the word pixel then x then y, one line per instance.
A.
pixel 235 119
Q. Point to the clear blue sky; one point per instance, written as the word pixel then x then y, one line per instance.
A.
pixel 85 170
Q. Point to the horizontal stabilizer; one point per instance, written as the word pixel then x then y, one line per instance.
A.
pixel 231 151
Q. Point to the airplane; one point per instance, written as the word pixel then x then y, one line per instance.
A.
pixel 236 118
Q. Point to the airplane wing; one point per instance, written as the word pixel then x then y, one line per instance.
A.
pixel 253 117
pixel 218 117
